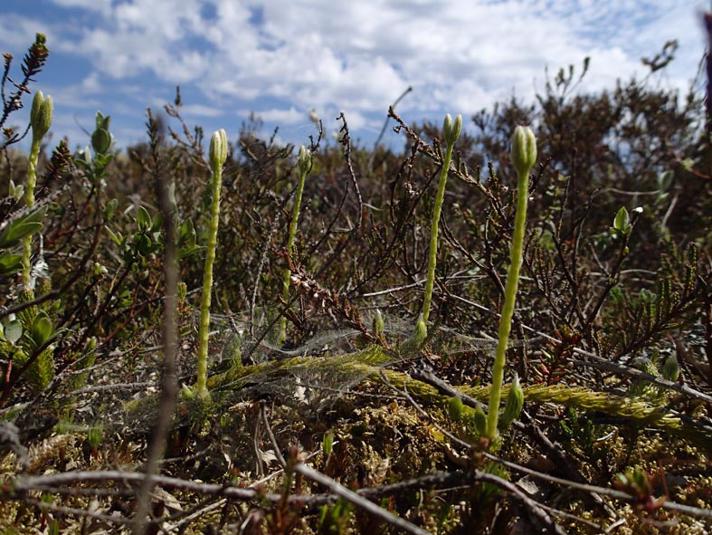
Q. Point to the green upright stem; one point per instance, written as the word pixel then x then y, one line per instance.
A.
pixel 433 250
pixel 287 275
pixel 510 294
pixel 204 328
pixel 29 203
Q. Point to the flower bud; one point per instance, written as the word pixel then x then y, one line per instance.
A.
pixel 447 125
pixel 218 149
pixel 671 368
pixel 304 160
pixel 40 115
pixel 523 150
pixel 37 102
pixel 451 131
pixel 515 403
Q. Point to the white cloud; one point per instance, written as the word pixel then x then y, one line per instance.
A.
pixel 18 32
pixel 102 6
pixel 288 116
pixel 200 110
pixel 289 55
pixel 145 35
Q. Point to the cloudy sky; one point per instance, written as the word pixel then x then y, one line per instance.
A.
pixel 283 58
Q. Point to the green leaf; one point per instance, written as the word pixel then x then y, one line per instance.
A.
pixel 665 180
pixel 42 329
pixel 621 223
pixel 157 225
pixel 116 237
pixel 480 420
pixel 101 140
pixel 21 227
pixel 143 244
pixel 515 403
pixel 13 331
pixel 10 263
pixel 327 444
pixel 37 216
pixel 16 192
pixel 103 121
pixel 143 219
pixel 622 219
pixel 185 252
pixel 187 232
pixel 16 231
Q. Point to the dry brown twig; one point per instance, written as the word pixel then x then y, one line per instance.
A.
pixel 169 390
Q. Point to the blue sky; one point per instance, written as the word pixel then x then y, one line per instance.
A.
pixel 284 58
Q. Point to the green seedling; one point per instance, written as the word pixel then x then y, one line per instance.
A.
pixel 514 406
pixel 218 156
pixel 38 328
pixel 417 339
pixel 451 131
pixel 523 159
pixel 40 121
pixel 304 164
pixel 327 444
pixel 379 324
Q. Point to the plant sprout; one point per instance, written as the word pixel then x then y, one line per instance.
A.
pixel 304 164
pixel 40 121
pixel 218 156
pixel 451 131
pixel 523 158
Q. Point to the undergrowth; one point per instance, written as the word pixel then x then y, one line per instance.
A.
pixel 334 317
